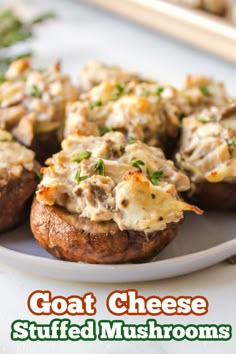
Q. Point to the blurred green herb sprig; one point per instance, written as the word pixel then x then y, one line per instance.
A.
pixel 14 30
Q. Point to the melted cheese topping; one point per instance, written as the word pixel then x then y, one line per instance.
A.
pixel 147 207
pixel 208 147
pixel 14 158
pixel 93 73
pixel 200 92
pixel 145 110
pixel 36 97
pixel 119 190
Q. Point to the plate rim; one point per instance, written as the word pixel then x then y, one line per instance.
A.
pixel 210 256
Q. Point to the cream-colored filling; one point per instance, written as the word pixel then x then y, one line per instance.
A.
pixel 93 73
pixel 42 94
pixel 138 110
pixel 13 158
pixel 124 193
pixel 208 147
pixel 145 110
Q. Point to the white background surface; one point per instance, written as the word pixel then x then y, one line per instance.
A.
pixel 81 34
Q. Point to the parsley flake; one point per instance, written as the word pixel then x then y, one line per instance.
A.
pixel 104 130
pixel 119 87
pixel 159 90
pixel 204 90
pixel 100 167
pixel 79 178
pixel 6 140
pixel 154 177
pixel 119 91
pixel 35 92
pixel 38 174
pixel 85 155
pixel 146 93
pixel 131 140
pixel 94 104
pixel 204 119
pixel 137 163
pixel 232 142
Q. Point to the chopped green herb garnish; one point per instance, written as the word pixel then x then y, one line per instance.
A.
pixel 119 87
pixel 154 177
pixel 38 174
pixel 80 178
pixel 85 155
pixel 2 77
pixel 204 90
pixel 232 260
pixel 204 119
pixel 137 163
pixel 232 142
pixel 100 167
pixel 131 140
pixel 159 90
pixel 5 140
pixel 35 92
pixel 146 93
pixel 104 130
pixel 119 91
pixel 94 104
pixel 24 78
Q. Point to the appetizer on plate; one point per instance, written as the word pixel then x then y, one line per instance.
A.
pixel 141 109
pixel 202 92
pixel 207 154
pixel 94 73
pixel 18 180
pixel 105 200
pixel 32 105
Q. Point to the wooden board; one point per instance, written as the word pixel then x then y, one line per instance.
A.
pixel 205 31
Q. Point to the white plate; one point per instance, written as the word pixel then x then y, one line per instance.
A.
pixel 202 241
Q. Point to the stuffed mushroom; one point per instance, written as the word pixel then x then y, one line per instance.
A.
pixel 18 180
pixel 207 154
pixel 94 73
pixel 141 109
pixel 104 200
pixel 144 111
pixel 32 105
